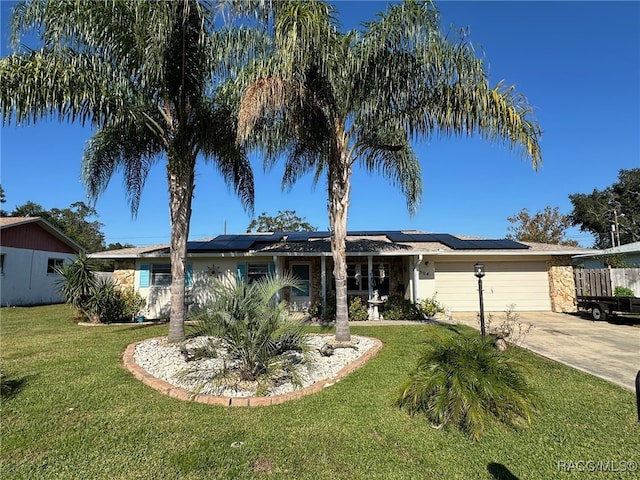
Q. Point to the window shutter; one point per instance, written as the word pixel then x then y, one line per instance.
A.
pixel 188 277
pixel 145 273
pixel 272 269
pixel 241 271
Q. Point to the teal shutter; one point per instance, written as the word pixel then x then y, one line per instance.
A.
pixel 188 277
pixel 145 274
pixel 241 271
pixel 272 269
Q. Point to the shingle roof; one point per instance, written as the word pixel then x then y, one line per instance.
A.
pixel 378 242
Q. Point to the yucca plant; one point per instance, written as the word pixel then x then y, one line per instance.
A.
pixel 463 380
pixel 248 322
pixel 77 285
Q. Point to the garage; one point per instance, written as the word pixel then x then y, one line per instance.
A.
pixel 523 283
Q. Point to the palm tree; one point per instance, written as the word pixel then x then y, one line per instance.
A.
pixel 145 74
pixel 328 99
pixel 464 380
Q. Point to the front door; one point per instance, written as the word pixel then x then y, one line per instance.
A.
pixel 301 297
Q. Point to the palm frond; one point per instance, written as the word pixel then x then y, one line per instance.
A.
pixel 131 148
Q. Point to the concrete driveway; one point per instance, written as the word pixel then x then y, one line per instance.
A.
pixel 606 350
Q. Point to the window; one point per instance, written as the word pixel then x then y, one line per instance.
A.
pixel 53 264
pixel 302 274
pixel 2 264
pixel 161 274
pixel 358 278
pixel 255 271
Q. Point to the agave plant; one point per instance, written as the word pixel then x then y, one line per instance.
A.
pixel 251 325
pixel 463 380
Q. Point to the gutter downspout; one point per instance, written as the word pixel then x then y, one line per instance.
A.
pixel 416 279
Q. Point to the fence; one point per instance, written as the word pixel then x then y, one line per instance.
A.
pixel 603 281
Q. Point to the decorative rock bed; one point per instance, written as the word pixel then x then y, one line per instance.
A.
pixel 161 366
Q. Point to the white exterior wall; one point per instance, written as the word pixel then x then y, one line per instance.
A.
pixel 426 279
pixel 203 270
pixel 25 280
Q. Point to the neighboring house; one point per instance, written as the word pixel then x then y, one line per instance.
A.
pixel 624 256
pixel 534 277
pixel 30 251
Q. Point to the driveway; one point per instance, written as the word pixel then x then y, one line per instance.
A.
pixel 603 349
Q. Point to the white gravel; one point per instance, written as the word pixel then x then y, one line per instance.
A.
pixel 167 362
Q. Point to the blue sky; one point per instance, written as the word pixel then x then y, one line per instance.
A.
pixel 578 63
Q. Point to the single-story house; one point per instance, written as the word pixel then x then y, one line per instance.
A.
pixel 30 250
pixel 627 256
pixel 417 265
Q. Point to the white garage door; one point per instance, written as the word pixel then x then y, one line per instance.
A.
pixel 525 284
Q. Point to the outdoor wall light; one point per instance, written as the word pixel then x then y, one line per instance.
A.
pixel 478 270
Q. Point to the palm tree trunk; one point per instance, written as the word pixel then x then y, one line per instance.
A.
pixel 181 185
pixel 339 187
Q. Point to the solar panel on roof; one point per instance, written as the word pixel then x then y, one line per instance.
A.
pixel 399 237
pixel 305 236
pixel 480 244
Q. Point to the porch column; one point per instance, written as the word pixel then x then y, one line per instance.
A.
pixel 370 275
pixel 323 284
pixel 278 273
pixel 416 278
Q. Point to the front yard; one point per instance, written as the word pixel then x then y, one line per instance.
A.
pixel 74 412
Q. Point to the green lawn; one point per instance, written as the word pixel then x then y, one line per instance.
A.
pixel 76 413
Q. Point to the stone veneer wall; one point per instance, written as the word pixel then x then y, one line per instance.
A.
pixel 124 273
pixel 562 287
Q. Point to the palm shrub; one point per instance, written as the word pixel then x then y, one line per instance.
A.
pixel 105 302
pixel 463 380
pixel 248 322
pixel 77 285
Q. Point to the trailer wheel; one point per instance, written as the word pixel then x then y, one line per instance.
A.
pixel 598 313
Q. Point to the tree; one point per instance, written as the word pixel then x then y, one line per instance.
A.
pixel 3 199
pixel 72 221
pixel 145 74
pixel 547 226
pixel 285 221
pixel 617 206
pixel 327 100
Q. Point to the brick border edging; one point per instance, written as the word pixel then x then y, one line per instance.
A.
pixel 185 395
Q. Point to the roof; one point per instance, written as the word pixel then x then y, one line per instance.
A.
pixel 394 242
pixel 627 249
pixel 10 222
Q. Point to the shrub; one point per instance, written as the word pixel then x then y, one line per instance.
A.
pixel 358 311
pixel 509 329
pixel 399 308
pixel 245 321
pixel 622 292
pixel 430 306
pixel 463 380
pixel 316 308
pixel 133 303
